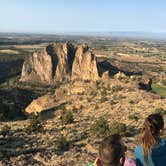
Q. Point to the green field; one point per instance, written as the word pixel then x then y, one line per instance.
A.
pixel 159 89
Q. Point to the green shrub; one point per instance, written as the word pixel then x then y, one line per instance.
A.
pixel 5 130
pixel 134 117
pixel 118 128
pixel 103 99
pixel 117 88
pixel 61 143
pixel 98 84
pixel 104 92
pixel 120 97
pixel 66 117
pixel 131 101
pixel 93 93
pixel 159 111
pixel 74 109
pixel 100 127
pixel 35 124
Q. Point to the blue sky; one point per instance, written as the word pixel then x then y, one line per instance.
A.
pixel 51 16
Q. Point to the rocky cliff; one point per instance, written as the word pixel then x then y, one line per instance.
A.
pixel 84 65
pixel 60 62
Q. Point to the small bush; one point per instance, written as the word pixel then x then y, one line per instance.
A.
pixel 131 101
pixel 159 111
pixel 104 92
pixel 103 99
pixel 98 84
pixel 134 117
pixel 100 127
pixel 89 99
pixel 35 124
pixel 61 143
pixel 5 130
pixel 117 88
pixel 74 109
pixel 93 93
pixel 120 97
pixel 66 117
pixel 118 128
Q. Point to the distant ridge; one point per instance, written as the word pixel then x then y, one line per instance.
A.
pixel 114 34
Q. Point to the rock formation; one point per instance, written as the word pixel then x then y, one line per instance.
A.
pixel 84 65
pixel 41 104
pixel 60 62
pixel 37 67
pixel 53 63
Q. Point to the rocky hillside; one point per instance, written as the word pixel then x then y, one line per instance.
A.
pixel 91 102
pixel 60 62
pixel 75 119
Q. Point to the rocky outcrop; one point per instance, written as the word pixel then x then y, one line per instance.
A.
pixel 84 65
pixel 41 104
pixel 60 62
pixel 105 75
pixel 53 63
pixel 38 67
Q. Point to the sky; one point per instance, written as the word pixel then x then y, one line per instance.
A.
pixel 61 16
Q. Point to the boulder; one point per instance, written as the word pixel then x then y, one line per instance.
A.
pixel 41 104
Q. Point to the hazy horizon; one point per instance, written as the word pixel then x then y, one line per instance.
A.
pixel 74 16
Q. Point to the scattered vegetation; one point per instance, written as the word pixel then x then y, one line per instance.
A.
pixel 61 143
pixel 5 130
pixel 160 111
pixel 134 116
pixel 93 93
pixel 66 117
pixel 131 101
pixel 35 124
pixel 117 88
pixel 103 99
pixel 104 92
pixel 100 127
pixel 119 128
